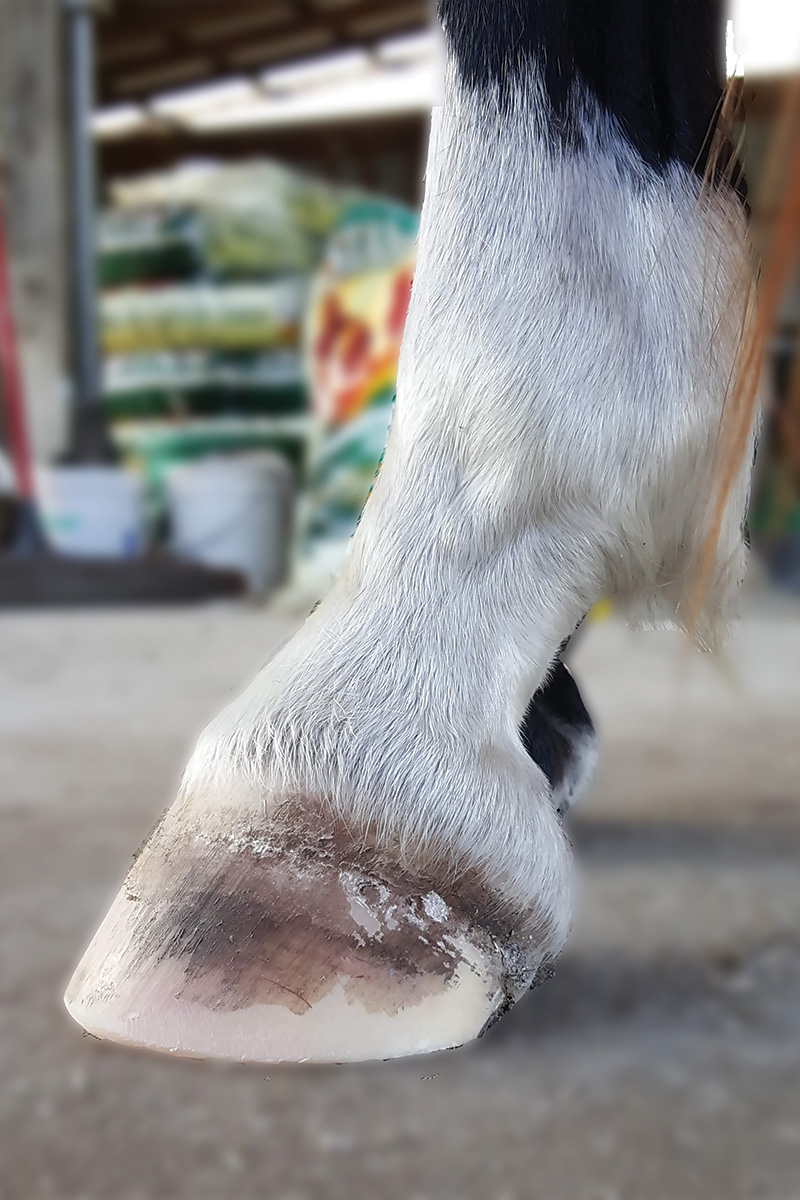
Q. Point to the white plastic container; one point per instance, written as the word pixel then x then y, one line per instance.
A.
pixel 233 512
pixel 92 511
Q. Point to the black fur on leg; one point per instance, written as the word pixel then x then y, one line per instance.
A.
pixel 558 733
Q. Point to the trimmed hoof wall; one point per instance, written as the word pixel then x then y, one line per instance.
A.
pixel 243 950
pixel 154 1012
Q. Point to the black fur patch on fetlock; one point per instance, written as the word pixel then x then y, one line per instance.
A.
pixel 558 733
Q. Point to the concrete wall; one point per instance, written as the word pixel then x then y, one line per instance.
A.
pixel 33 197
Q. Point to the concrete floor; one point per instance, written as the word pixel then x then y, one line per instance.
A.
pixel 661 1063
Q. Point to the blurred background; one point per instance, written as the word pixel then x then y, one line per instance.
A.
pixel 208 212
pixel 211 212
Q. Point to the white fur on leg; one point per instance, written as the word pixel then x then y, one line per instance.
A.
pixel 571 342
pixel 580 771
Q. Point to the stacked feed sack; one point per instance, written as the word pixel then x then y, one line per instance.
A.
pixel 205 275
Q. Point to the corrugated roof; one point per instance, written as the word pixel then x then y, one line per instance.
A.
pixel 149 46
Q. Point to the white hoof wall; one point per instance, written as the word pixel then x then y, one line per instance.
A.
pixel 154 1012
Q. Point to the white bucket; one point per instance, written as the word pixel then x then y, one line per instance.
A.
pixel 92 511
pixel 233 512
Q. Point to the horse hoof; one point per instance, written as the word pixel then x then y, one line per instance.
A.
pixel 290 947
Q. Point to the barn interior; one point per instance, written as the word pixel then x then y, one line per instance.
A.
pixel 181 183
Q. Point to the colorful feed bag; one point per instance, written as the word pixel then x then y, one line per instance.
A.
pixel 358 310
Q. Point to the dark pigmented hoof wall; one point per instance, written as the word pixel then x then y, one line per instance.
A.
pixel 269 929
pixel 291 945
